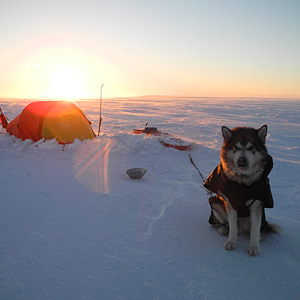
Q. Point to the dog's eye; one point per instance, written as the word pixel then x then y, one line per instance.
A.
pixel 251 148
pixel 236 148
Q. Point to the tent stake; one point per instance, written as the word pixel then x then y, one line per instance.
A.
pixel 100 113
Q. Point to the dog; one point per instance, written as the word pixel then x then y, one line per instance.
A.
pixel 242 187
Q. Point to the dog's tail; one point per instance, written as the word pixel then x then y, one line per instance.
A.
pixel 271 228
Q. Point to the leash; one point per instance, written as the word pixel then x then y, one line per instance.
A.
pixel 202 177
pixel 193 163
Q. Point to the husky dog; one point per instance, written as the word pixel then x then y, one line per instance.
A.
pixel 242 186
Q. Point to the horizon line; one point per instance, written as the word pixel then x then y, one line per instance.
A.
pixel 149 96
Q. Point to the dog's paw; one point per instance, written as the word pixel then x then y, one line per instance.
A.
pixel 230 245
pixel 253 250
pixel 223 229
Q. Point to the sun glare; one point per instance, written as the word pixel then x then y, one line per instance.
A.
pixel 91 163
pixel 66 82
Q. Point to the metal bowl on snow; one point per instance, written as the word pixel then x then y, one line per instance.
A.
pixel 136 173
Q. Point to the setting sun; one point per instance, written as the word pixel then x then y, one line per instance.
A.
pixel 66 82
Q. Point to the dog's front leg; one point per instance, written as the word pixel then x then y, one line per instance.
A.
pixel 233 228
pixel 255 217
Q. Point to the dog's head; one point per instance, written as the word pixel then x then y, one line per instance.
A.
pixel 243 150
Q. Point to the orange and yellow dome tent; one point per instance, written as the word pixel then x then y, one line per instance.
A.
pixel 62 120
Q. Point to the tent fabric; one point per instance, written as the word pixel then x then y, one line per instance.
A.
pixel 62 120
pixel 3 119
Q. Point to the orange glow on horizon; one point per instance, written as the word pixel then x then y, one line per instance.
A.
pixel 70 73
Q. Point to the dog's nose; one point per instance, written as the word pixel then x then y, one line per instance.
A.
pixel 242 162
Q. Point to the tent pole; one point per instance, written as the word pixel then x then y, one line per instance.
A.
pixel 100 113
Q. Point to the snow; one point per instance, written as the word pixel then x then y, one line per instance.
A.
pixel 75 226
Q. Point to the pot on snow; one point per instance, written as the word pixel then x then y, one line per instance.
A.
pixel 136 173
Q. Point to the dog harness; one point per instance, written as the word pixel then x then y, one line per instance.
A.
pixel 238 194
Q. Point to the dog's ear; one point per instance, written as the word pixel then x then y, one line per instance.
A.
pixel 226 132
pixel 262 132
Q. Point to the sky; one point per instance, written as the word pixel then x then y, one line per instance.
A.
pixel 68 48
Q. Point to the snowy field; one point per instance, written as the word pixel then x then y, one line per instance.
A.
pixel 74 226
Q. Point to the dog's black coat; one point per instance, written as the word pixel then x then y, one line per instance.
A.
pixel 238 194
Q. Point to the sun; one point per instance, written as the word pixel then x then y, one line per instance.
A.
pixel 67 82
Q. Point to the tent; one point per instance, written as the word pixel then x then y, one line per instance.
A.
pixel 62 120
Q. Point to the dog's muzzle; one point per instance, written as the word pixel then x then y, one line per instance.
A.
pixel 242 162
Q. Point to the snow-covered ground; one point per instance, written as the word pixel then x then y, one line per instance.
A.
pixel 74 226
